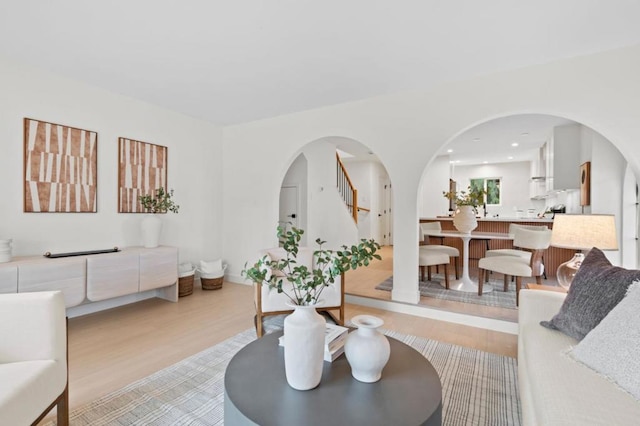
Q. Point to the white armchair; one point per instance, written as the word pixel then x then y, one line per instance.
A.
pixel 270 302
pixel 33 358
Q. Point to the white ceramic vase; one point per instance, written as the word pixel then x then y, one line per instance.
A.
pixel 465 219
pixel 367 350
pixel 304 332
pixel 151 227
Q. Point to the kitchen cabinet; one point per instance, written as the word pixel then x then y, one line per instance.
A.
pixel 557 166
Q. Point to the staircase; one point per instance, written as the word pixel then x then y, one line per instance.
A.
pixel 347 191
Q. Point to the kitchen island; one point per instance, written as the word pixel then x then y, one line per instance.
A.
pixel 553 256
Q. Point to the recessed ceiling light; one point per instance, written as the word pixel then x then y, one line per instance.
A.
pixel 514 144
pixel 509 158
pixel 449 150
pixel 485 162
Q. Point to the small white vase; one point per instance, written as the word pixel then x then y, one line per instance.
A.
pixel 465 219
pixel 367 350
pixel 151 227
pixel 304 332
pixel 5 250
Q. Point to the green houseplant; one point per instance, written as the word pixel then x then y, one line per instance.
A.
pixel 160 202
pixel 471 197
pixel 308 283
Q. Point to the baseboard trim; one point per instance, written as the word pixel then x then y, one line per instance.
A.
pixel 437 314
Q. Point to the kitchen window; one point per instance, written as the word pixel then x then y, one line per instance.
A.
pixel 492 188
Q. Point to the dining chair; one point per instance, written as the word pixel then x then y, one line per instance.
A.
pixel 535 242
pixel 428 259
pixel 516 250
pixel 429 228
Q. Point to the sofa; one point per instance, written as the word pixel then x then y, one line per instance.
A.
pixel 555 389
pixel 33 358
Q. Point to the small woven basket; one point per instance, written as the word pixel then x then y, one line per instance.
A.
pixel 211 283
pixel 185 285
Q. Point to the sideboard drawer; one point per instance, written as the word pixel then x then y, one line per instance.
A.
pixel 8 278
pixel 67 275
pixel 112 275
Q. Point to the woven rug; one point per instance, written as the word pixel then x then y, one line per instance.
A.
pixel 436 290
pixel 479 388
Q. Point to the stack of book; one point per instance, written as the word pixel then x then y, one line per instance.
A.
pixel 334 338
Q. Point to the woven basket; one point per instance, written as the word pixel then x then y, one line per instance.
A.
pixel 185 285
pixel 211 283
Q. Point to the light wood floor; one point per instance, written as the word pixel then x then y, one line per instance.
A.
pixel 110 349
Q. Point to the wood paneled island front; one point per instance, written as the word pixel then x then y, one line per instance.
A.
pixel 553 256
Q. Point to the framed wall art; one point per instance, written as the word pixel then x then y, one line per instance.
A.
pixel 60 168
pixel 142 169
pixel 585 184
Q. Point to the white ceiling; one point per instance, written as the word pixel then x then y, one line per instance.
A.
pixel 238 61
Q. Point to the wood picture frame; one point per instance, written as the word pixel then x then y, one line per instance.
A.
pixel 60 168
pixel 142 169
pixel 585 184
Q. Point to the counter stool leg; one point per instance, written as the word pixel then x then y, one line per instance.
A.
pixel 481 273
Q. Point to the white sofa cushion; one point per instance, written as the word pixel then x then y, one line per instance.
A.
pixel 555 389
pixel 28 388
pixel 613 347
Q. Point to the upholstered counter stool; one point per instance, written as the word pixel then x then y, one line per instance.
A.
pixel 428 259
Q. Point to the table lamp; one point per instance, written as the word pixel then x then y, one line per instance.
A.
pixel 581 232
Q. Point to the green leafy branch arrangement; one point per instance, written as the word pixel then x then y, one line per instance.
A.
pixel 308 283
pixel 160 202
pixel 472 197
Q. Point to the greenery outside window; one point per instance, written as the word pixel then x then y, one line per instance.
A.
pixel 492 188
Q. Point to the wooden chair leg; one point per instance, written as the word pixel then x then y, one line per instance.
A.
pixel 446 276
pixel 518 284
pixel 506 283
pixel 455 265
pixel 429 273
pixel 538 279
pixel 259 329
pixel 62 408
pixel 422 273
pixel 481 274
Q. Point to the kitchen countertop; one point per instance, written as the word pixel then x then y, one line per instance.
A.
pixel 497 219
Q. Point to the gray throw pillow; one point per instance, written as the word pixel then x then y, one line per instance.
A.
pixel 596 289
pixel 612 347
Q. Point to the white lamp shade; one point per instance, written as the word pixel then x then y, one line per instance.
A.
pixel 584 231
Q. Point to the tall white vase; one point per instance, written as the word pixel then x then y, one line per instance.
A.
pixel 367 350
pixel 151 227
pixel 465 219
pixel 304 332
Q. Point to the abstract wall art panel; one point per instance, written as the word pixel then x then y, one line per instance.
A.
pixel 60 168
pixel 142 169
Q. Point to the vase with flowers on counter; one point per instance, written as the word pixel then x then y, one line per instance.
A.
pixel 467 202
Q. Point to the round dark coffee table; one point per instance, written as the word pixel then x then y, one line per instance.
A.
pixel 256 391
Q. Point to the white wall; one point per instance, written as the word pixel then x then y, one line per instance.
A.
pixel 297 176
pixel 419 123
pixel 431 202
pixel 194 171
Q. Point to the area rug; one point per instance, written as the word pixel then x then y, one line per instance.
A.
pixel 479 388
pixel 497 297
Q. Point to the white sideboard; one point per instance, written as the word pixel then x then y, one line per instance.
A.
pixel 92 279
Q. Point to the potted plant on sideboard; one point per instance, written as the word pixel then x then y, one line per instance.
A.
pixel 159 202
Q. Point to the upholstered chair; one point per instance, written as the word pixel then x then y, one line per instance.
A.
pixel 428 259
pixel 452 252
pixel 33 358
pixel 535 242
pixel 270 302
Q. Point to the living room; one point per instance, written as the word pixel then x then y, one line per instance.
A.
pixel 227 174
